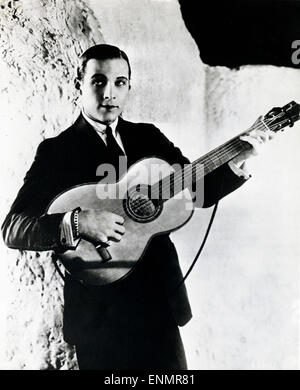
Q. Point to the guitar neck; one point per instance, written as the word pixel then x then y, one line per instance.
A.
pixel 275 120
pixel 173 184
pixel 219 156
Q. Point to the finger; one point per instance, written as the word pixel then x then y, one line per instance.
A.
pixel 270 133
pixel 262 132
pixel 109 233
pixel 265 135
pixel 260 135
pixel 249 134
pixel 118 219
pixel 253 142
pixel 120 229
pixel 115 236
pixel 103 238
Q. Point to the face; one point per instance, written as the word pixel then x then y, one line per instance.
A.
pixel 104 89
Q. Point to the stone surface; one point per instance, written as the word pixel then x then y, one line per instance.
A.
pixel 40 42
pixel 245 287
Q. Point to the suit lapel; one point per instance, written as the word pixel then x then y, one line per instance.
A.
pixel 92 148
pixel 87 136
pixel 129 139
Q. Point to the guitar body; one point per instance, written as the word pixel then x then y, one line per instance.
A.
pixel 86 263
pixel 137 198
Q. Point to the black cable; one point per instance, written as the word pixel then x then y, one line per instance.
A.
pixel 55 257
pixel 201 247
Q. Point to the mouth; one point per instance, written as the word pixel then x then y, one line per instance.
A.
pixel 108 107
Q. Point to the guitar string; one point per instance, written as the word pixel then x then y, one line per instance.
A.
pixel 215 154
pixel 136 204
pixel 188 172
pixel 141 203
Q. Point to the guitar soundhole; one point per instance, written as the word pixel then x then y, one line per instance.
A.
pixel 139 206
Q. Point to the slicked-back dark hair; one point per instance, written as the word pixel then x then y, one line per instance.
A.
pixel 100 52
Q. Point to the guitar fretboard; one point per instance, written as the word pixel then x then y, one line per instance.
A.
pixel 274 120
pixel 177 181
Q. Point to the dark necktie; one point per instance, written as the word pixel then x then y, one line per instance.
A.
pixel 114 151
pixel 112 146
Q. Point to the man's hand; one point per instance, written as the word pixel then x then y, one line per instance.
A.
pixel 256 138
pixel 100 226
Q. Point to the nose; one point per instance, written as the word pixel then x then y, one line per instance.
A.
pixel 108 91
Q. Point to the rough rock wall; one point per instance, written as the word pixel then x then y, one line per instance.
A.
pixel 40 42
pixel 245 288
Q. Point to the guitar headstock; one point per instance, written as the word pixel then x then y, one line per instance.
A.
pixel 280 117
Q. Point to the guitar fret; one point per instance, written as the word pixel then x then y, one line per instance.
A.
pixel 138 211
pixel 184 178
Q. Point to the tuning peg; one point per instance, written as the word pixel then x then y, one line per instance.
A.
pixel 274 111
pixel 289 105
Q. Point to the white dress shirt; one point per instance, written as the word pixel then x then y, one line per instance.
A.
pixel 66 232
pixel 101 129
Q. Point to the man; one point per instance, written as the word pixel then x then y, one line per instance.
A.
pixel 131 324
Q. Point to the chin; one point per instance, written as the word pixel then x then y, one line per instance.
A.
pixel 108 118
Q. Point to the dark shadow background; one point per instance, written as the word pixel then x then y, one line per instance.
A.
pixel 233 33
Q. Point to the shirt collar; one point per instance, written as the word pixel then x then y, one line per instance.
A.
pixel 100 127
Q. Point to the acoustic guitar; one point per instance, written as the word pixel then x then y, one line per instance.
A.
pixel 148 204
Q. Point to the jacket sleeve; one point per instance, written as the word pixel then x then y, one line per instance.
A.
pixel 26 226
pixel 216 185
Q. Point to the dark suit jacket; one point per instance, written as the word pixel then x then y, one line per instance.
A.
pixel 72 158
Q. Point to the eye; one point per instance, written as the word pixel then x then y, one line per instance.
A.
pixel 98 83
pixel 121 83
